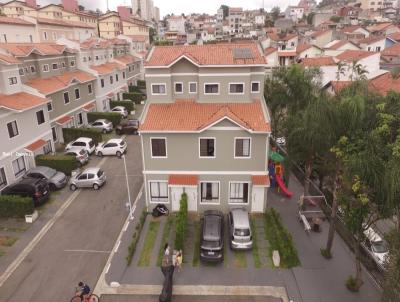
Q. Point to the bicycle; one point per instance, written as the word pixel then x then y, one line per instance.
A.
pixel 90 298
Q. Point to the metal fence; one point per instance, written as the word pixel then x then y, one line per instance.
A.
pixel 375 269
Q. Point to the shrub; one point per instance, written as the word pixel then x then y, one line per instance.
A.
pixel 135 238
pixel 326 254
pixel 15 206
pixel 130 106
pixel 113 117
pixel 133 88
pixel 135 97
pixel 141 83
pixel 181 223
pixel 351 284
pixel 71 134
pixel 63 163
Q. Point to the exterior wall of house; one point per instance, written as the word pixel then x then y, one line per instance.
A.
pixel 110 27
pixel 323 39
pixel 312 52
pixel 51 33
pixel 13 33
pixel 15 9
pixel 185 72
pixel 6 73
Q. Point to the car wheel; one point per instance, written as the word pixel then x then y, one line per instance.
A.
pixel 100 154
pixel 96 186
pixel 104 131
pixel 73 187
pixel 118 132
pixel 52 187
pixel 118 153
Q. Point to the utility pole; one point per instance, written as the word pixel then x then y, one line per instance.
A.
pixel 107 7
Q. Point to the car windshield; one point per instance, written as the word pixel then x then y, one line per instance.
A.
pixel 379 247
pixel 100 173
pixel 122 143
pixel 49 172
pixel 242 232
pixel 210 244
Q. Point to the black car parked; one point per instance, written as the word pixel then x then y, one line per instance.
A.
pixel 212 237
pixel 38 189
pixel 128 127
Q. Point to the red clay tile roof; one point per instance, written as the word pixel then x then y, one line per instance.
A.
pixel 36 145
pixel 14 21
pixel 319 33
pixel 210 54
pixel 184 179
pixel 9 59
pixel 276 37
pixel 269 50
pixel 337 86
pixel 339 44
pixel 350 29
pixel 95 43
pixel 395 36
pixel 260 180
pixel 127 59
pixel 64 23
pixel 393 50
pixel 20 101
pixel 287 53
pixel 63 120
pixel 354 55
pixel 379 26
pixel 25 49
pixel 370 40
pixel 138 38
pixel 56 83
pixel 385 83
pixel 319 61
pixel 89 107
pixel 107 67
pixel 302 47
pixel 187 115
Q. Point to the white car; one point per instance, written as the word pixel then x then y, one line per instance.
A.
pixel 115 146
pixel 281 141
pixel 376 246
pixel 121 110
pixel 102 124
pixel 83 142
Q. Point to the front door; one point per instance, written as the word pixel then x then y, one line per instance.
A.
pixel 192 198
pixel 176 193
pixel 257 204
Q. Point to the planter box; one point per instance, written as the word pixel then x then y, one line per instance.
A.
pixel 31 218
pixel 276 259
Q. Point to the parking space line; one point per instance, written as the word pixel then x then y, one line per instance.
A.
pixel 126 226
pixel 116 248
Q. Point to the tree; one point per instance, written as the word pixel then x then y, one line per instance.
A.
pixel 335 19
pixel 340 69
pixel 275 12
pixel 391 286
pixel 225 8
pixel 152 33
pixel 310 18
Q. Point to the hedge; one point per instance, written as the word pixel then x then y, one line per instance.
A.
pixel 135 97
pixel 135 238
pixel 113 117
pixel 141 83
pixel 12 206
pixel 133 88
pixel 63 163
pixel 71 134
pixel 181 223
pixel 129 105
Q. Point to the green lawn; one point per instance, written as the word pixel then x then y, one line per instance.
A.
pixel 145 256
pixel 7 240
pixel 165 236
pixel 255 251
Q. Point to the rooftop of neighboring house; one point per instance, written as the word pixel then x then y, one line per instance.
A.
pixel 65 23
pixel 303 47
pixel 318 61
pixel 95 43
pixel 209 54
pixel 127 59
pixel 14 21
pixel 336 44
pixel 354 55
pixel 351 28
pixel 395 36
pixel 8 60
pixel 137 38
pixel 56 83
pixel 281 37
pixel 25 49
pixel 371 40
pixel 338 86
pixel 385 83
pixel 235 10
pixel 107 68
pixel 20 101
pixel 393 50
pixel 188 115
pixel 319 33
pixel 379 26
pixel 269 51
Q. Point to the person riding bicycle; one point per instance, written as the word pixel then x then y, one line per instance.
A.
pixel 83 290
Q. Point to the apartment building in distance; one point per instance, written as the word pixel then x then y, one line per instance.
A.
pixel 205 127
pixel 146 10
pixel 235 18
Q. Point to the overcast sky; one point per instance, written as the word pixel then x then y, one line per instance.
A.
pixel 182 6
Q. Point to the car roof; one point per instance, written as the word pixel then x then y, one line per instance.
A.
pixel 240 218
pixel 119 107
pixel 83 139
pixel 27 181
pixel 101 120
pixel 39 169
pixel 115 140
pixel 211 229
pixel 91 170
pixel 75 149
pixel 372 235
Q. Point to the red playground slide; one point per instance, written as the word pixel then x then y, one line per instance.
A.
pixel 283 187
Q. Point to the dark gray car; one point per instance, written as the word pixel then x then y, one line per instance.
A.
pixel 212 237
pixel 56 179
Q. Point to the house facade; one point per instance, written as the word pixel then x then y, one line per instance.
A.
pixel 205 128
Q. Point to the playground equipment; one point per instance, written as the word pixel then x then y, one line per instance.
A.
pixel 275 170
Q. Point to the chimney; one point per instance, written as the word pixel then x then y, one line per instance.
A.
pixel 124 12
pixel 31 3
pixel 70 5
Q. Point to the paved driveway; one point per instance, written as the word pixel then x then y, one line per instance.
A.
pixel 77 246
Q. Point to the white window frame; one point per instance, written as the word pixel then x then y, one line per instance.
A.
pixel 16 124
pixel 236 83
pixel 191 92
pixel 69 99
pixel 34 69
pixel 259 87
pixel 72 63
pixel 52 66
pixel 210 93
pixel 5 184
pixel 219 192
pixel 44 117
pixel 248 192
pixel 234 148
pixel 79 91
pixel 21 171
pixel 55 131
pixel 151 147
pixel 215 148
pixel 158 181
pixel 77 119
pixel 47 106
pixel 12 81
pixel 157 84
pixel 43 68
pixel 45 37
pixel 91 88
pixel 176 92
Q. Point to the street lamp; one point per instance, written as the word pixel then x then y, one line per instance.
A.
pixel 129 204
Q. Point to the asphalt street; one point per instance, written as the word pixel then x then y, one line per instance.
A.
pixel 77 246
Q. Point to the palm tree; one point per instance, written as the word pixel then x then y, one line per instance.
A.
pixel 340 70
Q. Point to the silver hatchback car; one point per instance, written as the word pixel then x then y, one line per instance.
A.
pixel 239 229
pixel 89 178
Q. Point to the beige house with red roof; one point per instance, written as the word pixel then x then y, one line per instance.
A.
pixel 336 47
pixel 16 30
pixel 205 128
